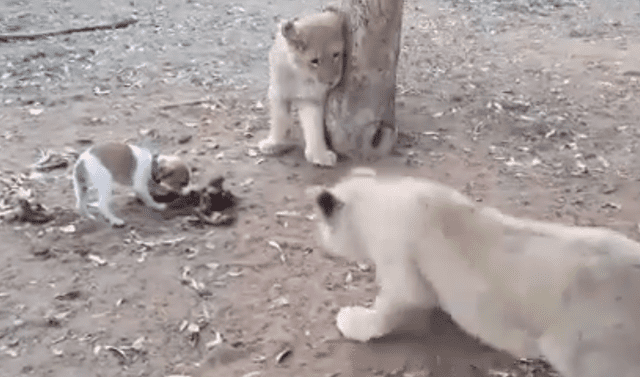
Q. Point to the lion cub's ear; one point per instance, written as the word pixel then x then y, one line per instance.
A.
pixel 328 203
pixel 293 36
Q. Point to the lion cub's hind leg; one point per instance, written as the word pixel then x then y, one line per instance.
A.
pixel 597 334
pixel 402 288
pixel 574 356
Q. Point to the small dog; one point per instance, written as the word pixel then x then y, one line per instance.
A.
pixel 129 165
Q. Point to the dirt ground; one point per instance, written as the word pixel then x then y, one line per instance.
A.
pixel 529 105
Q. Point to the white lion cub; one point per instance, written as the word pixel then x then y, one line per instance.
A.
pixel 527 287
pixel 129 165
pixel 306 60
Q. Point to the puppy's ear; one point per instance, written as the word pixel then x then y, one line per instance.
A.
pixel 328 203
pixel 293 36
pixel 160 169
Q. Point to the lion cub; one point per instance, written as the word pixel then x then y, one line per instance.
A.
pixel 306 60
pixel 527 287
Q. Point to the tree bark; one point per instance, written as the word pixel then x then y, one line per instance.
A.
pixel 360 112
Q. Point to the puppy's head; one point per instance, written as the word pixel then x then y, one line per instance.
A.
pixel 172 173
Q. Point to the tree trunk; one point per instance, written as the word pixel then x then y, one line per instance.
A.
pixel 360 112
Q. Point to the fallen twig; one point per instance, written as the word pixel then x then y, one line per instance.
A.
pixel 181 104
pixel 30 37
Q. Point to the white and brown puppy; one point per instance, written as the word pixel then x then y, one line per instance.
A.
pixel 101 165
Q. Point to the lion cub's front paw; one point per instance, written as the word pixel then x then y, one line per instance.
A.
pixel 158 206
pixel 358 323
pixel 322 158
pixel 116 222
pixel 270 146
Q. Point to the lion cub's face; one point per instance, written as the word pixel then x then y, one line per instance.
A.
pixel 342 211
pixel 318 43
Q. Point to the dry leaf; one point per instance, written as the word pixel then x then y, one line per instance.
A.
pixel 282 356
pixel 215 342
pixel 97 260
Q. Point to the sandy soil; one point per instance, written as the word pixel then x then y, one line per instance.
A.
pixel 531 106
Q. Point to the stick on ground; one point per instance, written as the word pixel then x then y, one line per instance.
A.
pixel 5 38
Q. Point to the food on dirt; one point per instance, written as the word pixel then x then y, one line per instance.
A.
pixel 211 204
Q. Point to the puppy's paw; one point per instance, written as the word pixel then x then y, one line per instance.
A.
pixel 321 158
pixel 88 215
pixel 358 323
pixel 273 147
pixel 84 211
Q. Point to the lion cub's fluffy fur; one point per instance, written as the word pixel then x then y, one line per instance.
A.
pixel 527 287
pixel 306 60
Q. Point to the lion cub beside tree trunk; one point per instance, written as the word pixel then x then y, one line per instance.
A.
pixel 527 287
pixel 306 61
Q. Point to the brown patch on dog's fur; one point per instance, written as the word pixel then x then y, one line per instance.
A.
pixel 118 158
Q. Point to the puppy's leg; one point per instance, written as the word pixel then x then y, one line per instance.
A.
pixel 312 122
pixel 143 193
pixel 104 187
pixel 281 123
pixel 81 188
pixel 141 183
pixel 402 287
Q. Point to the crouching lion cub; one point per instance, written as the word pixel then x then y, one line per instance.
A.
pixel 527 287
pixel 306 60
